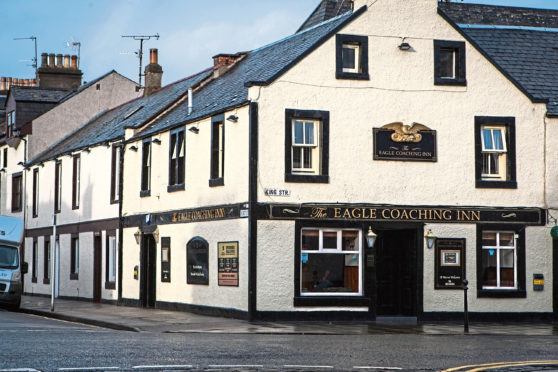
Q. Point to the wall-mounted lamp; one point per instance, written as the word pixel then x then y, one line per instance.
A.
pixel 133 148
pixel 156 141
pixel 69 154
pixel 41 164
pixel 3 170
pixel 554 232
pixel 233 118
pixel 107 144
pixel 87 150
pixel 404 45
pixel 20 163
pixel 371 237
pixel 430 239
pixel 137 235
pixel 194 130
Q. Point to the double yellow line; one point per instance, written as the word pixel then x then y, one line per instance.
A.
pixel 487 366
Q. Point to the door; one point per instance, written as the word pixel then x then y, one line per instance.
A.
pixel 97 267
pixel 147 271
pixel 396 273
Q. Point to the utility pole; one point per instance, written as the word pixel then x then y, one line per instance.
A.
pixel 141 39
pixel 34 65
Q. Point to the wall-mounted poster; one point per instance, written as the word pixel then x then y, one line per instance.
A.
pixel 450 263
pixel 227 255
pixel 165 260
pixel 197 261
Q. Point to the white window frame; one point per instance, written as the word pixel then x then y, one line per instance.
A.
pixel 499 248
pixel 501 153
pixel 313 147
pixel 338 250
pixel 356 48
pixel 75 248
pixel 112 259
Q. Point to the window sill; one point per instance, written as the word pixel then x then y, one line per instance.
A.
pixel 75 207
pixel 16 210
pixel 174 188
pixel 74 276
pixel 145 193
pixel 303 178
pixel 352 75
pixel 450 82
pixel 46 281
pixel 501 293
pixel 110 285
pixel 114 201
pixel 57 211
pixel 345 301
pixel 213 182
pixel 486 184
pixel 35 215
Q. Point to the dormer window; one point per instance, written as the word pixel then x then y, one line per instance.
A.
pixel 352 57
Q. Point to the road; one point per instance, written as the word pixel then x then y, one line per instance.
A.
pixel 48 345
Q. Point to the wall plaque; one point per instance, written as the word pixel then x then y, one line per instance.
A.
pixel 227 255
pixel 450 263
pixel 197 261
pixel 165 260
pixel 401 142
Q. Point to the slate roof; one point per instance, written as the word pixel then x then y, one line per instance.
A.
pixel 109 125
pixel 260 67
pixel 521 42
pixel 326 10
pixel 38 94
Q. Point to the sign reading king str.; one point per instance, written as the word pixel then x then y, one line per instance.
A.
pixel 400 142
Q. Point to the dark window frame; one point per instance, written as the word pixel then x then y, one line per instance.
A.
pixel 46 259
pixel 145 184
pixel 114 177
pixel 76 181
pixel 74 272
pixel 521 291
pixel 177 183
pixel 459 47
pixel 10 124
pixel 34 260
pixel 323 117
pixel 5 159
pixel 17 198
pixel 108 283
pixel 362 42
pixel 35 205
pixel 216 179
pixel 511 173
pixel 57 186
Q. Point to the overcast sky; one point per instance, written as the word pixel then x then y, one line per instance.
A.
pixel 191 31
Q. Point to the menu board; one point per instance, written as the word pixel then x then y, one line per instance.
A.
pixel 227 255
pixel 450 263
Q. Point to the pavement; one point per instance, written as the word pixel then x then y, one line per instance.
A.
pixel 135 319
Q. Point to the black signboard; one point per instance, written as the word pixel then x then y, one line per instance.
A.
pixel 405 144
pixel 227 255
pixel 197 261
pixel 165 260
pixel 450 263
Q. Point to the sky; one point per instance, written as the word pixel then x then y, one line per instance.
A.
pixel 191 31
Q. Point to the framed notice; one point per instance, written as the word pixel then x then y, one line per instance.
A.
pixel 450 263
pixel 197 261
pixel 227 256
pixel 165 260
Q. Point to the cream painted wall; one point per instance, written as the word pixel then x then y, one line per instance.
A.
pixel 401 88
pixel 197 192
pixel 552 164
pixel 15 155
pixel 178 290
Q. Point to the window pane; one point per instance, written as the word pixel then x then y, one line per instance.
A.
pixel 173 146
pixel 487 138
pixel 350 240
pixel 310 240
pixel 328 273
pixel 489 268
pixel 447 66
pixel 297 157
pixel 488 239
pixel 498 143
pixel 330 240
pixel 307 157
pixel 349 57
pixel 309 133
pixel 507 239
pixel 298 133
pixel 506 268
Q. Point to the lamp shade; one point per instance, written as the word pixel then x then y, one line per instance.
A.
pixel 371 237
pixel 430 239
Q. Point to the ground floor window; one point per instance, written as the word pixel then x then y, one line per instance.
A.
pixel 331 262
pixel 110 279
pixel 74 258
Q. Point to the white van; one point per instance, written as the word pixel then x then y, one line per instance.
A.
pixel 11 269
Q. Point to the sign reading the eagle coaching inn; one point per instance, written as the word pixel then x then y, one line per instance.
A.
pixel 397 141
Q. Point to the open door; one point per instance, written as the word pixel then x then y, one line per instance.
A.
pixel 147 271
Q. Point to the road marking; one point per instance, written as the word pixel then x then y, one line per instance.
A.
pixel 370 367
pixel 19 370
pixel 303 366
pixel 481 367
pixel 90 369
pixel 177 366
pixel 235 366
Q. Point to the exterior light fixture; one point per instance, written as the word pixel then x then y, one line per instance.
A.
pixel 156 235
pixel 430 239
pixel 137 235
pixel 371 237
pixel 87 150
pixel 233 118
pixel 404 46
pixel 554 232
pixel 194 130
pixel 3 170
pixel 134 148
pixel 20 163
pixel 157 141
pixel 107 144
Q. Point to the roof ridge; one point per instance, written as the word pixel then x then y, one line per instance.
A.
pixel 497 6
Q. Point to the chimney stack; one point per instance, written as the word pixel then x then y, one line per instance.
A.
pixel 57 71
pixel 153 73
pixel 222 62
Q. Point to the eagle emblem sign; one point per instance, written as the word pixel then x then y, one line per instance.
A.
pixel 405 142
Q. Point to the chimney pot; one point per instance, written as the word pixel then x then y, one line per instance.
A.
pixel 8 83
pixel 74 62
pixel 27 82
pixel 67 61
pixel 34 82
pixel 44 60
pixel 59 61
pixel 3 83
pixel 153 56
pixel 51 60
pixel 15 82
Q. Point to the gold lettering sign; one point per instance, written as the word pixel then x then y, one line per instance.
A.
pixel 400 214
pixel 199 215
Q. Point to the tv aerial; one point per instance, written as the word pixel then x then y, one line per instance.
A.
pixel 34 60
pixel 141 39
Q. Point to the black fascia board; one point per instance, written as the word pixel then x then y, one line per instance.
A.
pixel 490 59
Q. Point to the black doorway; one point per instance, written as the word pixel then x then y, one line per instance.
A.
pixel 97 257
pixel 396 273
pixel 147 271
